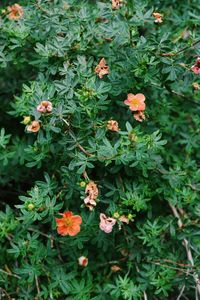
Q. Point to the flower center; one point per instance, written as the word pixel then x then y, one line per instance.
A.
pixel 135 102
pixel 68 222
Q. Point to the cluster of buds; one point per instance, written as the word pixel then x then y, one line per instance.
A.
pixel 112 125
pixel 15 12
pixel 45 107
pixel 196 67
pixel 158 17
pixel 101 69
pixel 92 191
pixel 136 104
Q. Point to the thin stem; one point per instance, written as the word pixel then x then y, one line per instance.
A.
pixel 181 50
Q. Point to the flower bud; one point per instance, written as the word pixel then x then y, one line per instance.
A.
pixel 83 261
pixel 26 120
pixel 31 206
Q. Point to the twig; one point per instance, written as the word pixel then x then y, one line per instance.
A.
pixel 187 248
pixel 181 50
pixel 37 286
pixel 10 274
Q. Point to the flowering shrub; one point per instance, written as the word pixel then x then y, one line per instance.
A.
pixel 99 151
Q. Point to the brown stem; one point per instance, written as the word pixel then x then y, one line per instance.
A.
pixel 187 247
pixel 181 50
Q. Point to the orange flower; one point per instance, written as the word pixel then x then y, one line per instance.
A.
pixel 113 125
pixel 83 261
pixel 135 102
pixel 16 12
pixel 33 127
pixel 139 116
pixel 101 69
pixel 158 17
pixel 68 224
pixel 116 4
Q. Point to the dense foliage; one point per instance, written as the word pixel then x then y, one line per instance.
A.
pixel 135 185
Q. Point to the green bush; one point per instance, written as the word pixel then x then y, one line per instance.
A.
pixel 69 144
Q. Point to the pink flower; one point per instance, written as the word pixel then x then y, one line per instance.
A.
pixel 90 203
pixel 196 68
pixel 106 224
pixel 45 106
pixel 135 102
pixel 139 116
pixel 92 191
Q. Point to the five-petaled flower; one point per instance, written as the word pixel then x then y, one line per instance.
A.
pixel 101 69
pixel 112 125
pixel 116 4
pixel 196 67
pixel 45 107
pixel 135 102
pixel 33 127
pixel 16 12
pixel 69 224
pixel 106 224
pixel 83 261
pixel 158 17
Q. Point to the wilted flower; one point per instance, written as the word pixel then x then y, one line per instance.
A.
pixel 115 268
pixel 124 219
pixel 101 69
pixel 196 86
pixel 44 107
pixel 106 224
pixel 92 191
pixel 83 261
pixel 113 125
pixel 135 102
pixel 68 224
pixel 158 17
pixel 33 127
pixel 116 4
pixel 139 116
pixel 16 12
pixel 196 67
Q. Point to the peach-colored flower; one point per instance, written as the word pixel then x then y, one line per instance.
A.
pixel 113 125
pixel 135 102
pixel 83 261
pixel 116 4
pixel 115 268
pixel 68 224
pixel 196 67
pixel 101 69
pixel 16 12
pixel 158 17
pixel 92 191
pixel 33 127
pixel 139 116
pixel 106 224
pixel 44 107
pixel 124 219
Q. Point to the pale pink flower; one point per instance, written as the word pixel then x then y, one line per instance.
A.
pixel 116 4
pixel 16 12
pixel 139 116
pixel 196 68
pixel 106 224
pixel 90 203
pixel 135 102
pixel 45 107
pixel 83 261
